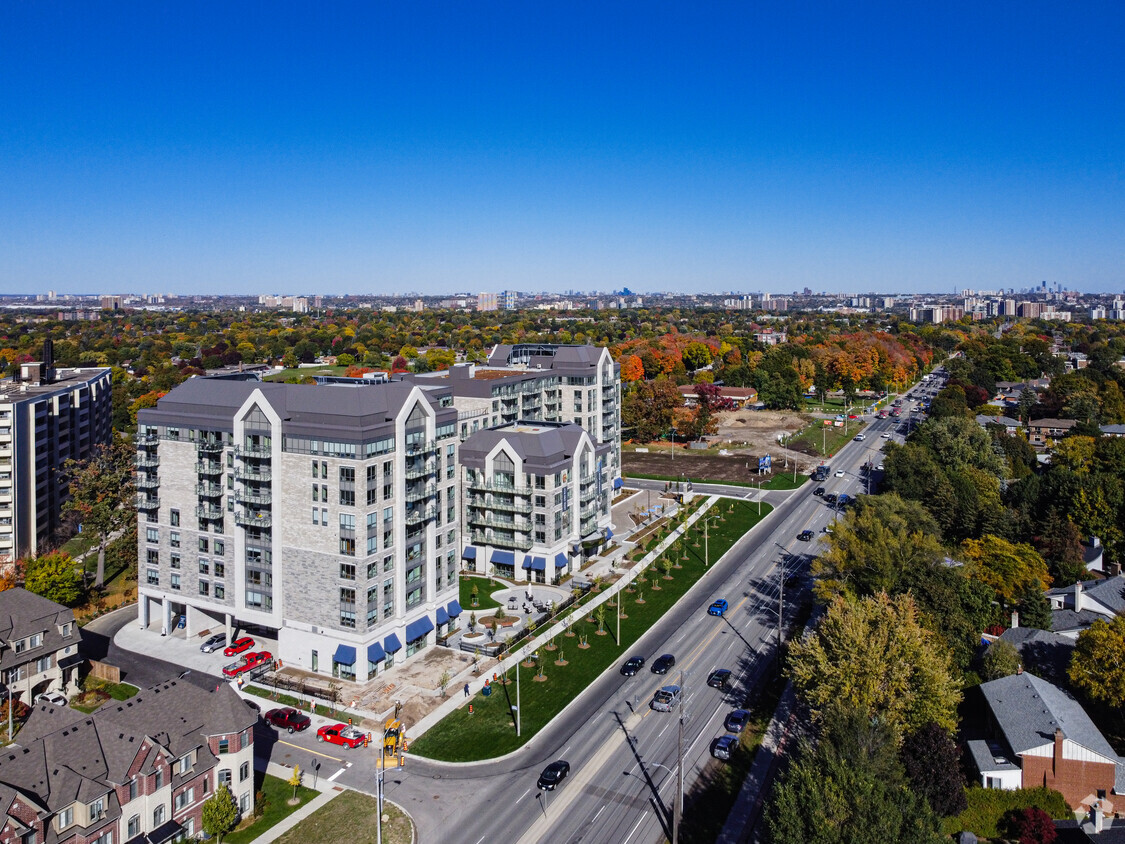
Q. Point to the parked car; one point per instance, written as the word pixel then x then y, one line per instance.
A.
pixel 736 721
pixel 666 699
pixel 818 491
pixel 719 679
pixel 341 734
pixel 288 719
pixel 662 664
pixel 238 646
pixel 217 641
pixel 830 498
pixel 886 435
pixel 632 665
pixel 553 775
pixel 805 535
pixel 250 661
pixel 723 747
pixel 55 698
pixel 718 607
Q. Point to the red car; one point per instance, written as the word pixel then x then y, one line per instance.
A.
pixel 288 719
pixel 238 646
pixel 249 661
pixel 341 734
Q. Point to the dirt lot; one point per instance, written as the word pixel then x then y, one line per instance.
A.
pixel 745 434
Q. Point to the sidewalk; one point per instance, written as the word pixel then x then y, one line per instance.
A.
pixel 328 792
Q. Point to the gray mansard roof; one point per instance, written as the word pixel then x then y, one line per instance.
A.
pixel 543 446
pixel 23 613
pixel 327 410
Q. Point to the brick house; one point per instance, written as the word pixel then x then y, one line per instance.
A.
pixel 1039 431
pixel 38 645
pixel 138 770
pixel 1038 736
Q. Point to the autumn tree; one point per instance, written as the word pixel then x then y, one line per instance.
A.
pixel 101 494
pixel 1008 568
pixel 874 654
pixel 1097 666
pixel 55 577
pixel 1000 660
pixel 933 766
pixel 632 369
pixel 696 356
pixel 1030 825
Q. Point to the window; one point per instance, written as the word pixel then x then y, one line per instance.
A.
pixel 66 628
pixel 324 493
pixel 324 468
pixel 97 808
pixel 152 577
pixel 183 764
pixel 244 772
pixel 153 557
pixel 133 788
pixel 220 548
pixel 66 817
pixel 134 828
pixel 158 780
pixel 174 538
pixel 175 582
pixel 157 816
pixel 388 563
pixel 174 518
pixel 43 664
pixel 204 566
pixel 35 640
pixel 152 534
pixel 347 571
pixel 105 838
pixel 220 591
pixel 224 746
pixel 347 607
pixel 316 515
pixel 316 492
pixel 244 803
pixel 183 799
pixel 203 544
pixel 174 561
pixel 324 516
pixel 414 597
pixel 204 587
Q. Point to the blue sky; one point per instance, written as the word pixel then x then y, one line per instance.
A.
pixel 431 147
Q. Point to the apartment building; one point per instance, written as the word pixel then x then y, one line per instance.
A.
pixel 536 498
pixel 539 382
pixel 135 771
pixel 38 646
pixel 327 514
pixel 46 418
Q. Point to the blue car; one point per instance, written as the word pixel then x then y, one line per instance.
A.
pixel 718 608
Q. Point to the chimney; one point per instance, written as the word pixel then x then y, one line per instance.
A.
pixel 1095 542
pixel 1015 619
pixel 1078 596
pixel 1058 754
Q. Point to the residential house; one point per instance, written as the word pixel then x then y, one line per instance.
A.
pixel 1075 608
pixel 1113 430
pixel 1039 431
pixel 38 645
pixel 1011 426
pixel 1039 736
pixel 136 771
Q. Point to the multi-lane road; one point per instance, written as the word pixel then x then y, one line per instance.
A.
pixel 622 754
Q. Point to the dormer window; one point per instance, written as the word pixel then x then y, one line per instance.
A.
pixel 66 818
pixel 184 764
pixel 97 809
pixel 36 640
pixel 19 646
pixel 66 630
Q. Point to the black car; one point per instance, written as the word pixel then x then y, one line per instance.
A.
pixel 632 665
pixel 662 664
pixel 736 721
pixel 805 536
pixel 719 679
pixel 818 491
pixel 553 774
pixel 830 498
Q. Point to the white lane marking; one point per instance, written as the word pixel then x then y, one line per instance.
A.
pixel 333 777
pixel 482 838
pixel 626 841
pixel 595 817
pixel 522 796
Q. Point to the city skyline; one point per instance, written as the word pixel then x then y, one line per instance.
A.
pixel 437 148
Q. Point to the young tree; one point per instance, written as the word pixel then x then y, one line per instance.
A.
pixel 55 577
pixel 220 813
pixel 1097 667
pixel 1000 660
pixel 932 763
pixel 101 494
pixel 875 655
pixel 295 780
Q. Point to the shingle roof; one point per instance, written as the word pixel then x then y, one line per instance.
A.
pixel 23 613
pixel 545 447
pixel 1062 620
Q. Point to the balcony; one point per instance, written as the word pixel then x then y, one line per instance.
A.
pixel 494 486
pixel 147 482
pixel 252 519
pixel 420 492
pixel 208 513
pixel 256 474
pixel 490 520
pixel 259 452
pixel 146 439
pixel 427 447
pixel 499 504
pixel 420 514
pixel 208 447
pixel 480 538
pixel 147 461
pixel 413 474
pixel 209 490
pixel 209 467
pixel 255 497
pixel 148 502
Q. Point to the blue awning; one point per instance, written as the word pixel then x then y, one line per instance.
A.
pixel 504 558
pixel 442 616
pixel 470 553
pixel 392 644
pixel 454 609
pixel 618 483
pixel 375 652
pixel 538 563
pixel 526 562
pixel 560 561
pixel 345 655
pixel 608 534
pixel 418 628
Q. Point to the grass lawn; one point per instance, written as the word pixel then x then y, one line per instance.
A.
pixel 489 732
pixel 784 480
pixel 988 805
pixel 274 805
pixel 115 691
pixel 350 817
pixel 485 587
pixel 816 439
pixel 79 544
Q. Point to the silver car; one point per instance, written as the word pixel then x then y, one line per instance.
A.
pixel 666 699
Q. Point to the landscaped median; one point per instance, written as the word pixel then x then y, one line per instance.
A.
pixel 572 660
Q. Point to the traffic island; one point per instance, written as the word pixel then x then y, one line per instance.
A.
pixel 488 732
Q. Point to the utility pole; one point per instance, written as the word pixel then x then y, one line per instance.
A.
pixel 617 601
pixel 517 699
pixel 706 557
pixel 678 797
pixel 780 608
pixel 759 496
